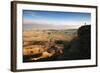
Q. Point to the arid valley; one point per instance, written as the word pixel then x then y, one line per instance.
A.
pixel 41 44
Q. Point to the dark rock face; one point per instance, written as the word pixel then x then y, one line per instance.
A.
pixel 80 47
pixel 84 34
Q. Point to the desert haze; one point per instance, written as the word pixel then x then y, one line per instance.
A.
pixel 55 35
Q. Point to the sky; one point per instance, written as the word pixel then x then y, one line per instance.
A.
pixel 51 19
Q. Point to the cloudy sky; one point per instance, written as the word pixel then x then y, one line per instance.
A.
pixel 54 20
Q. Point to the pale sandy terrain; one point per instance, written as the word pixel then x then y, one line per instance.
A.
pixel 44 36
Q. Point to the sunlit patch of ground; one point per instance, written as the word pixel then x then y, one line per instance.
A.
pixel 39 41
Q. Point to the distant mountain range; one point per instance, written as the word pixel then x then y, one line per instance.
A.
pixel 41 26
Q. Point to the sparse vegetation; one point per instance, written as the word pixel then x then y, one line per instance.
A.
pixel 51 42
